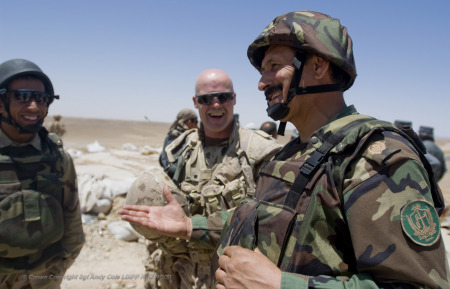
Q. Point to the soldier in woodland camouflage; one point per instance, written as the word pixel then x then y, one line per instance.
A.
pixel 40 232
pixel 350 203
pixel 212 169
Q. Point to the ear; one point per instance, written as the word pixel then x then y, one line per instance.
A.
pixel 194 99
pixel 2 107
pixel 321 67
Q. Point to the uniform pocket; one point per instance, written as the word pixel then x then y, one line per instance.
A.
pixel 213 200
pixel 8 188
pixel 233 193
pixel 30 222
pixel 9 183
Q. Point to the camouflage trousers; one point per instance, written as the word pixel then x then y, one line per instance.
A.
pixel 166 271
pixel 47 276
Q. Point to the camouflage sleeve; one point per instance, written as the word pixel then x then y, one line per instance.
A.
pixel 262 150
pixel 206 230
pixel 73 238
pixel 393 225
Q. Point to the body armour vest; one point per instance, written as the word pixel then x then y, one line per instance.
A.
pixel 299 183
pixel 31 215
pixel 213 178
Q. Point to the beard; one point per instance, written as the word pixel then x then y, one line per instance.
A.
pixel 34 128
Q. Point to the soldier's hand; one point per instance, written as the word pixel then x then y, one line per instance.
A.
pixel 243 268
pixel 169 220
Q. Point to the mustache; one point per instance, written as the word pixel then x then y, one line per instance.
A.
pixel 221 110
pixel 271 89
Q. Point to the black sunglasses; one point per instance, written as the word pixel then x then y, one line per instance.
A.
pixel 208 98
pixel 40 97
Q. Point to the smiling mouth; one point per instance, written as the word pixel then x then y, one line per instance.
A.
pixel 274 94
pixel 274 99
pixel 30 119
pixel 216 113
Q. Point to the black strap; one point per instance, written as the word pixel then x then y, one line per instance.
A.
pixel 281 128
pixel 317 88
pixel 436 192
pixel 310 166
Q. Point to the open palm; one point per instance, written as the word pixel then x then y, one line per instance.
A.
pixel 169 220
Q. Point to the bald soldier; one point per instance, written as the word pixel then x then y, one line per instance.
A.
pixel 211 170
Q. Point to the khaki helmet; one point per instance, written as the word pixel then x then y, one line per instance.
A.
pixel 147 190
pixel 311 32
pixel 57 117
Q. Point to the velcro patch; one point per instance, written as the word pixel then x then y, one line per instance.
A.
pixel 420 222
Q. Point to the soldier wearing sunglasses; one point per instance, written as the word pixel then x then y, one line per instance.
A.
pixel 40 221
pixel 212 170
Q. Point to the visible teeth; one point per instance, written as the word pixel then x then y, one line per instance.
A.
pixel 216 113
pixel 274 96
pixel 30 117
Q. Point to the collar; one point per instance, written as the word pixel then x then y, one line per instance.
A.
pixel 349 110
pixel 229 140
pixel 334 124
pixel 6 141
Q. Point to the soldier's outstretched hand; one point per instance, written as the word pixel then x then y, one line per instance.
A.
pixel 169 220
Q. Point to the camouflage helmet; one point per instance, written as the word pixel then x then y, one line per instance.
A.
pixel 57 117
pixel 311 32
pixel 14 68
pixel 147 190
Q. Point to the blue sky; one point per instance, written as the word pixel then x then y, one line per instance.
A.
pixel 134 58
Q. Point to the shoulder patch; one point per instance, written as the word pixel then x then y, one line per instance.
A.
pixel 420 222
pixel 377 147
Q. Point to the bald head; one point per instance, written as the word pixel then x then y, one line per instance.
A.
pixel 216 105
pixel 213 80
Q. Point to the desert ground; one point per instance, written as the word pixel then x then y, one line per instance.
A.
pixel 118 151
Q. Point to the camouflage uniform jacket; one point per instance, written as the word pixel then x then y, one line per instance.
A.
pixel 216 178
pixel 349 228
pixel 39 199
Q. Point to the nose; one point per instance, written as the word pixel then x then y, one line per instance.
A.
pixel 216 102
pixel 33 104
pixel 265 81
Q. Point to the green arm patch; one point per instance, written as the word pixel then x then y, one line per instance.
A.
pixel 420 222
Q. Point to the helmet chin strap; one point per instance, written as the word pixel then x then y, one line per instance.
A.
pixel 29 129
pixel 281 110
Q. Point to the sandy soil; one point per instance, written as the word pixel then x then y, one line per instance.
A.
pixel 104 261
